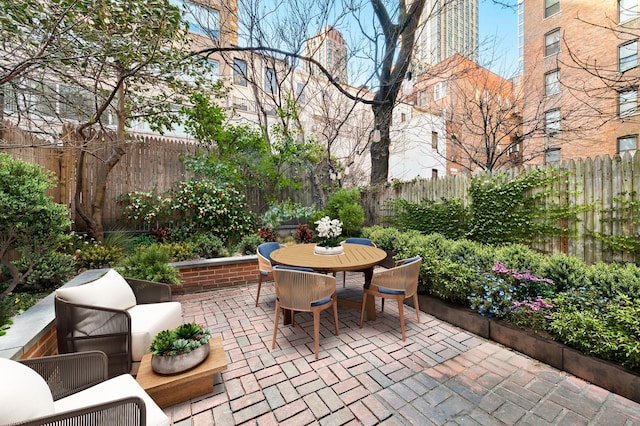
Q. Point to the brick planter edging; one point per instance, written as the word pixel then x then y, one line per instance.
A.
pixel 606 374
pixel 210 274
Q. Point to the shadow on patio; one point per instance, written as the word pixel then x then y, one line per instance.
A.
pixel 440 375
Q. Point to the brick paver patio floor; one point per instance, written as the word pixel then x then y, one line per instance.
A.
pixel 441 375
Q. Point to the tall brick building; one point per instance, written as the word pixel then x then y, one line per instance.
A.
pixel 580 78
pixel 482 124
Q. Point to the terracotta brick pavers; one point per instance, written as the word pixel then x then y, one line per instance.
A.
pixel 440 375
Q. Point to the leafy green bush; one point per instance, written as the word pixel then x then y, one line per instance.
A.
pixel 30 222
pixel 283 211
pixel 608 329
pixel 520 258
pixel 593 309
pixel 567 272
pixel 141 240
pixel 150 263
pixel 50 271
pixel 249 244
pixel 208 246
pixel 98 256
pixel 611 279
pixel 203 205
pixel 447 217
pixel 196 205
pixel 384 238
pixel 344 204
pixel 179 251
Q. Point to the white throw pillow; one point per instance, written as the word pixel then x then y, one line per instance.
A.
pixel 109 291
pixel 24 394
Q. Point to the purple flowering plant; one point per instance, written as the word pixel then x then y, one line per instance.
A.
pixel 526 284
pixel 534 313
pixel 504 287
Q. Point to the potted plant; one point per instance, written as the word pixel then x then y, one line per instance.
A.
pixel 175 351
pixel 328 232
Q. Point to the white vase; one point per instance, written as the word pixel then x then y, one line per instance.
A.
pixel 179 363
pixel 330 251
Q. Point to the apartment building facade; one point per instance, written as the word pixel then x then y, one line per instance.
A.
pixel 447 27
pixel 580 78
pixel 480 111
pixel 329 49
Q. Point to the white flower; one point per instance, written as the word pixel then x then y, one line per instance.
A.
pixel 328 228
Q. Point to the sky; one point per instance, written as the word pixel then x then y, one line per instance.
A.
pixel 499 28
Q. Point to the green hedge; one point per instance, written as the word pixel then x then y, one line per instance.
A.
pixel 595 309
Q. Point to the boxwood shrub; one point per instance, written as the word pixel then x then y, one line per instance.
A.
pixel 595 309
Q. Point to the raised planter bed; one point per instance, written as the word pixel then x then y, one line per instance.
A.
pixel 608 375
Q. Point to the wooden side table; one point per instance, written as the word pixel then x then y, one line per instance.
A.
pixel 168 390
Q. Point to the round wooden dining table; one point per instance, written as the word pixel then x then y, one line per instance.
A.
pixel 356 257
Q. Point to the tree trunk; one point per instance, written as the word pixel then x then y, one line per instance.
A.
pixel 380 149
pixel 93 217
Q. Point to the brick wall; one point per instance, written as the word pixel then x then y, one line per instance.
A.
pixel 197 278
pixel 46 345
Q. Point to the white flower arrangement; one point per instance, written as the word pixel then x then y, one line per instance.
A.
pixel 328 231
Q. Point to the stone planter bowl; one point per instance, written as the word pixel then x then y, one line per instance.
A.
pixel 179 363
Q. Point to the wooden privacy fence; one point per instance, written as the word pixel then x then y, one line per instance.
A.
pixel 149 163
pixel 599 183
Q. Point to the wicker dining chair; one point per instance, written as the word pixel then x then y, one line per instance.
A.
pixel 265 268
pixel 396 283
pixel 304 292
pixel 355 240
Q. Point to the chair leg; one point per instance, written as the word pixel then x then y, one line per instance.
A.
pixel 316 331
pixel 275 325
pixel 401 313
pixel 364 303
pixel 259 285
pixel 335 313
pixel 417 305
pixel 382 310
pixel 344 279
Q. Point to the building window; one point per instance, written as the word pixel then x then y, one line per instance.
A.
pixel 239 72
pixel 552 42
pixel 403 117
pixel 551 7
pixel 552 155
pixel 434 140
pixel 628 9
pixel 628 55
pixel 434 173
pixel 627 143
pixel 552 121
pixel 422 98
pixel 270 83
pixel 627 102
pixel 552 83
pixel 300 95
pixel 202 20
pixel 440 90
